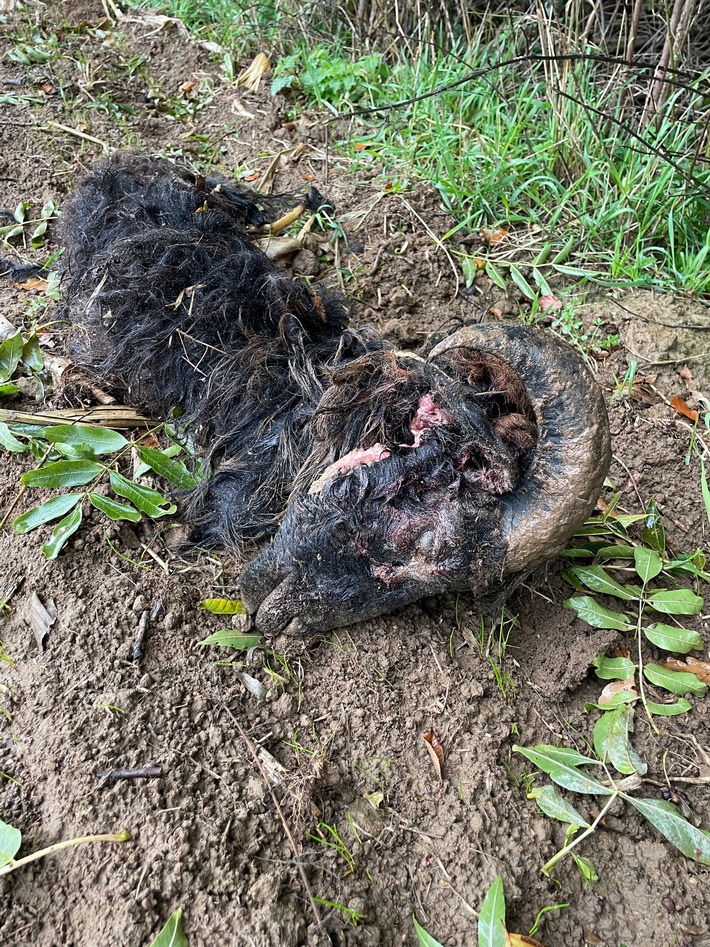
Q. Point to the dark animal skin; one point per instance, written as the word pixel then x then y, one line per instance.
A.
pixel 374 477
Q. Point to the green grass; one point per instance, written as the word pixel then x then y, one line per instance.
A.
pixel 561 160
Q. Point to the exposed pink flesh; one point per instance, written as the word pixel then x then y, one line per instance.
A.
pixel 428 416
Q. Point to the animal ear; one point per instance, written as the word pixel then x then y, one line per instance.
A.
pixel 573 452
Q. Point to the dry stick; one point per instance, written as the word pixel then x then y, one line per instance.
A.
pixel 73 131
pixel 438 242
pixel 255 756
pixel 676 36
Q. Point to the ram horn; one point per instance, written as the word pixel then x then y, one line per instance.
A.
pixel 571 460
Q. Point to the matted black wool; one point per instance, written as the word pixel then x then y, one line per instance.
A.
pixel 371 477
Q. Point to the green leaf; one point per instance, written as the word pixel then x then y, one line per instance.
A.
pixel 622 697
pixel 596 579
pixel 62 532
pixel 613 669
pixel 704 487
pixel 223 606
pixel 586 868
pixel 692 842
pixel 166 466
pixel 147 500
pixel 619 750
pixel 101 440
pixel 681 706
pixel 491 920
pixel 113 509
pixel 565 755
pixel 495 276
pixel 9 441
pixel 46 512
pixel 231 638
pixel 520 281
pixel 172 934
pixel 648 563
pixel 564 774
pixel 552 804
pixel 10 355
pixel 10 841
pixel 677 682
pixel 8 389
pixel 62 473
pixel 424 939
pixel 670 638
pixel 654 535
pixel 31 353
pixel 676 602
pixel 596 615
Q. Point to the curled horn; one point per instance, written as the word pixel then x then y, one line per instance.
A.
pixel 565 478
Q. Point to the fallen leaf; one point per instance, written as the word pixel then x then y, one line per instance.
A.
pixel 685 373
pixel 495 311
pixel 550 302
pixel 48 88
pixel 375 798
pixel 621 652
pixel 34 282
pixel 520 940
pixel 493 237
pixel 616 687
pixel 188 86
pixel 360 146
pixel 436 752
pixel 253 177
pixel 701 669
pixel 251 76
pixel 307 177
pixel 682 408
pixel 41 618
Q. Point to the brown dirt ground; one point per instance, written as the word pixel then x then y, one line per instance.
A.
pixel 350 716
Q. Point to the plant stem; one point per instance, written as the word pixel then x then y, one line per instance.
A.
pixel 124 836
pixel 546 869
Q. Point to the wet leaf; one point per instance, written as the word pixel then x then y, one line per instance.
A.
pixel 113 509
pixel 701 669
pixel 436 752
pixel 552 804
pixel 676 682
pixel 46 512
pixel 491 919
pixel 563 773
pixel 611 669
pixel 101 440
pixel 232 638
pixel 147 500
pixel 62 532
pixel 671 638
pixel 692 842
pixel 596 579
pixel 680 407
pixel 653 534
pixel 172 934
pixel 223 606
pixel 10 355
pixel 10 841
pixel 676 602
pixel 589 610
pixel 616 746
pixel 164 465
pixel 62 473
pixel 424 939
pixel 681 706
pixel 648 563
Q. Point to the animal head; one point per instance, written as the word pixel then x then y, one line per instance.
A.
pixel 434 476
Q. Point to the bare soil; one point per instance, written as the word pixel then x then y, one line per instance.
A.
pixel 346 716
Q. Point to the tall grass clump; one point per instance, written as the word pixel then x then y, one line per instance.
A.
pixel 537 127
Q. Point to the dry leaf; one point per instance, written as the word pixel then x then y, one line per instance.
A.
pixel 495 311
pixel 520 940
pixel 682 408
pixel 34 282
pixel 360 146
pixel 616 687
pixel 550 302
pixel 493 237
pixel 188 86
pixel 436 752
pixel 685 373
pixel 701 669
pixel 251 76
pixel 253 177
pixel 621 652
pixel 41 618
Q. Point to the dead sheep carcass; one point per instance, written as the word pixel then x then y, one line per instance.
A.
pixel 372 477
